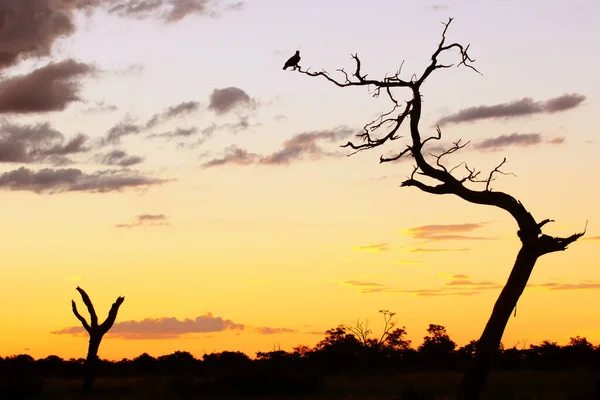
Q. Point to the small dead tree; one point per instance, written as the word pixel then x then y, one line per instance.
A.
pixel 96 333
pixel 534 243
pixel 361 330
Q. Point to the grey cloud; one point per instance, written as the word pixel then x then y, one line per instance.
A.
pixel 514 139
pixel 173 112
pixel 28 28
pixel 74 180
pixel 38 143
pixel 123 128
pixel 119 158
pixel 225 100
pixel 145 220
pixel 515 109
pixel 177 133
pixel 306 143
pixel 49 88
pixel 294 149
pixel 161 328
pixel 234 155
pixel 168 10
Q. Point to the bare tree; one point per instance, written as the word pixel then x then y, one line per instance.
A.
pixel 361 330
pixel 446 180
pixel 96 333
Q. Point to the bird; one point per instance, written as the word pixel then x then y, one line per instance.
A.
pixel 293 61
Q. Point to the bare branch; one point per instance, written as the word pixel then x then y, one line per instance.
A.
pixel 79 317
pixel 112 315
pixel 90 307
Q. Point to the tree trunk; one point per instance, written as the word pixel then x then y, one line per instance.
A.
pixel 91 363
pixel 487 347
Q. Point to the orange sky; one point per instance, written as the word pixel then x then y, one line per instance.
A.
pixel 208 188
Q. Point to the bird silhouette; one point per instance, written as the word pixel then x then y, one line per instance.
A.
pixel 293 61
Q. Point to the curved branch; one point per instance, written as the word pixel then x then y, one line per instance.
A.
pixel 90 307
pixel 86 326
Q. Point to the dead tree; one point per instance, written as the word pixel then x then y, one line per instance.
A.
pixel 534 243
pixel 96 333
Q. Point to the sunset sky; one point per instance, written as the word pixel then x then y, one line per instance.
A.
pixel 156 149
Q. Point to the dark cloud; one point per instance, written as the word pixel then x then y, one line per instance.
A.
pixel 307 143
pixel 234 155
pixel 28 28
pixel 173 112
pixel 374 248
pixel 265 330
pixel 446 232
pixel 126 127
pixel 145 220
pixel 225 100
pixel 168 10
pixel 38 143
pixel 294 149
pixel 74 180
pixel 119 158
pixel 514 139
pixel 161 328
pixel 49 88
pixel 515 109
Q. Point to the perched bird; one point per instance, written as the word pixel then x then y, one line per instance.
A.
pixel 293 61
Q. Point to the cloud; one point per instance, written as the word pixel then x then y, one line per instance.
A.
pixel 126 127
pixel 173 112
pixel 160 328
pixel 38 143
pixel 374 248
pixel 177 133
pixel 307 143
pixel 49 88
pixel 445 232
pixel 119 158
pixel 100 107
pixel 74 180
pixel 265 330
pixel 29 28
pixel 515 139
pixel 363 284
pixel 146 220
pixel 168 10
pixel 234 155
pixel 514 109
pixel 225 100
pixel 585 285
pixel 592 238
pixel 294 149
pixel 430 250
pixel 458 285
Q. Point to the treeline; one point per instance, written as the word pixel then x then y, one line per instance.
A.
pixel 344 350
pixel 341 351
